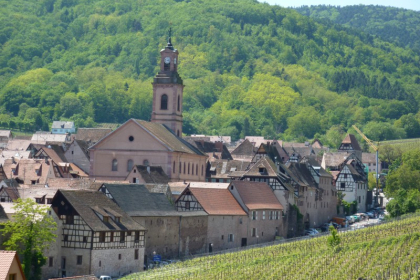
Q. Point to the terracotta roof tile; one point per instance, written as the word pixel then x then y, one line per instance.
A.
pixel 6 260
pixel 257 195
pixel 217 201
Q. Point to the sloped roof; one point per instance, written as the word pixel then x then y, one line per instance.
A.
pixel 155 176
pixel 49 137
pixel 84 146
pixel 6 154
pixel 83 201
pixel 54 152
pixel 18 144
pixel 136 200
pixel 167 137
pixel 356 175
pixel 224 168
pixel 302 173
pixel 209 185
pixel 92 135
pixel 257 140
pixel 263 162
pixel 209 147
pixel 10 183
pixel 26 169
pixel 351 139
pixel 12 192
pixel 77 171
pixel 70 183
pixel 36 192
pixel 257 195
pixel 61 124
pixel 246 148
pixel 302 151
pixel 217 201
pixel 334 159
pixel 6 260
pixel 3 219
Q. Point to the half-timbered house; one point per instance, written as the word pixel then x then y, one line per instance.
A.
pixel 151 210
pixel 227 221
pixel 95 236
pixel 220 171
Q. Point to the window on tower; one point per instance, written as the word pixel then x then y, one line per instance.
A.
pixel 164 102
pixel 179 103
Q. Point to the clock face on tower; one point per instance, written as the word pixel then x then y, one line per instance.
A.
pixel 167 60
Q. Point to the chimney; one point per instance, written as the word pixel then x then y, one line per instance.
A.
pixel 219 146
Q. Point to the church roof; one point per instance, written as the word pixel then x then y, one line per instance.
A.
pixel 167 137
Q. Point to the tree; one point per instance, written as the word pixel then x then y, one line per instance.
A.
pixel 333 240
pixel 30 232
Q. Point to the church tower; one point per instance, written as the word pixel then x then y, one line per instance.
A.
pixel 167 91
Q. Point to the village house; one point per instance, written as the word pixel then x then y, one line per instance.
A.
pixel 60 127
pixel 349 173
pixel 223 170
pixel 263 209
pixel 152 211
pixel 77 152
pixel 369 160
pixel 30 171
pixel 227 221
pixel 95 236
pixel 5 136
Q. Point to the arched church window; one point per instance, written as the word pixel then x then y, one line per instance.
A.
pixel 179 169
pixel 202 170
pixel 179 103
pixel 129 165
pixel 173 168
pixel 145 162
pixel 114 165
pixel 188 168
pixel 177 133
pixel 196 169
pixel 184 167
pixel 164 102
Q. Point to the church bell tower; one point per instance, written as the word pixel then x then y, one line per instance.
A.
pixel 167 91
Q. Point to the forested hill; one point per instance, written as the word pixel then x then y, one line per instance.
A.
pixel 396 25
pixel 249 68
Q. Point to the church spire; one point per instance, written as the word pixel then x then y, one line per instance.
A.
pixel 170 46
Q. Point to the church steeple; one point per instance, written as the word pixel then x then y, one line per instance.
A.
pixel 168 90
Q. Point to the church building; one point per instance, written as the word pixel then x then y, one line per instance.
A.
pixel 155 143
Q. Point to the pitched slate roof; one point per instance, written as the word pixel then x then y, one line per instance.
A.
pixel 257 195
pixel 351 139
pixel 209 185
pixel 217 201
pixel 84 202
pixel 70 183
pixel 369 158
pixel 334 159
pixel 137 201
pixel 18 144
pixel 155 175
pixel 302 173
pixel 92 135
pixel 356 175
pixel 246 148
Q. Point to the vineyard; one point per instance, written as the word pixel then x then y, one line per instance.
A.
pixel 403 144
pixel 387 251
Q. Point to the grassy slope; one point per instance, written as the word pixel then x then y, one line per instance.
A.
pixel 390 248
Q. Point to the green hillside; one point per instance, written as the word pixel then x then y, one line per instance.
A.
pixel 389 251
pixel 396 25
pixel 249 69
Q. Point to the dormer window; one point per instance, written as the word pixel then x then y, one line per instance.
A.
pixel 262 170
pixel 117 219
pixel 106 219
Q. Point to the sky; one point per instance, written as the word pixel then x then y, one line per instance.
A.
pixel 406 4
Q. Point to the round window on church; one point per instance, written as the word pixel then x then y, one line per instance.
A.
pixel 131 138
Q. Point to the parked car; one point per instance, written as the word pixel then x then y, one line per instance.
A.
pixel 335 225
pixel 356 218
pixel 370 215
pixel 350 219
pixel 325 227
pixel 105 277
